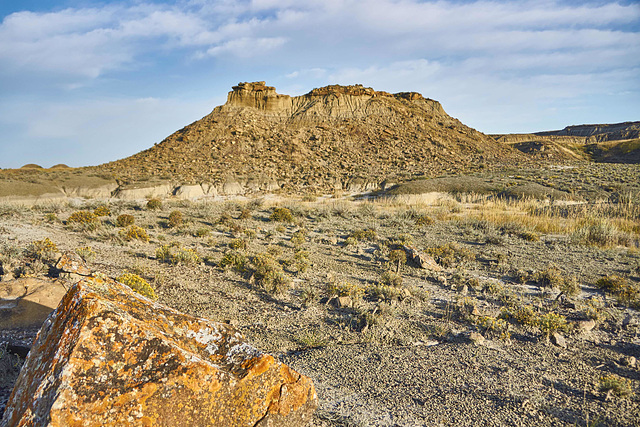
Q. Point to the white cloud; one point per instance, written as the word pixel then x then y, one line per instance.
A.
pixel 488 62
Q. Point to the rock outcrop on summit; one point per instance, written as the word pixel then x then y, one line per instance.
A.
pixel 346 137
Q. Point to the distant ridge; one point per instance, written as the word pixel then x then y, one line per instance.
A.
pixel 599 133
pixel 332 137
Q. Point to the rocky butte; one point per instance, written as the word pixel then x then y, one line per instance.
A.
pixel 334 137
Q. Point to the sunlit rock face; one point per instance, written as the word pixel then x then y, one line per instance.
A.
pixel 108 356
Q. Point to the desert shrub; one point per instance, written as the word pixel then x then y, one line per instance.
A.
pixel 423 220
pixel 397 257
pixel 346 289
pixel 402 240
pixel 390 278
pixel 384 292
pixel 86 253
pixel 368 234
pixel 245 213
pixel 299 237
pixel 225 218
pixel 350 241
pixel 233 259
pixel 175 254
pixel 164 253
pixel 175 219
pixel 308 340
pixel 154 204
pixel 202 232
pixel 125 220
pixel 525 315
pixel 185 256
pixel 451 254
pixel 43 250
pixel 281 215
pixel 598 232
pixel 51 218
pixel 238 244
pixel 530 236
pixel 494 327
pixel 626 292
pixel 301 260
pixel 133 232
pixel 269 274
pixel 84 219
pixel 138 284
pixel 551 322
pixel 102 211
pixel 614 384
pixel 551 277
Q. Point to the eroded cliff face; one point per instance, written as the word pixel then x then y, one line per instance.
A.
pixel 329 102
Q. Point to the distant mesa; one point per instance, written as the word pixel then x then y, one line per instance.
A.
pixel 31 166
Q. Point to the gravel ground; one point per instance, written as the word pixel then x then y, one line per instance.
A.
pixel 409 359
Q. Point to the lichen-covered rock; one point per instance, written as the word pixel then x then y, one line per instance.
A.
pixel 72 263
pixel 108 356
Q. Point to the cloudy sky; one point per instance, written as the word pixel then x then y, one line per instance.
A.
pixel 84 82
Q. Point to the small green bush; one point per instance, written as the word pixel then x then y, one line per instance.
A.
pixel 451 254
pixel 138 284
pixel 627 293
pixel 615 384
pixel 102 211
pixel 125 220
pixel 281 215
pixel 344 289
pixel 397 257
pixel 84 219
pixel 238 244
pixel 175 219
pixel 86 253
pixel 154 204
pixel 391 278
pixel 368 234
pixel 299 237
pixel 269 274
pixel 551 322
pixel 233 259
pixel 133 232
pixel 43 250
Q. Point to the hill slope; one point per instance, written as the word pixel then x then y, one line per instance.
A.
pixel 331 137
pixel 607 143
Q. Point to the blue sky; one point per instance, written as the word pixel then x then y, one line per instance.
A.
pixel 84 82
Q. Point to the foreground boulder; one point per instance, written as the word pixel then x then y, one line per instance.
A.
pixel 108 356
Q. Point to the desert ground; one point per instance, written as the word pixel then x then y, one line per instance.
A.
pixel 526 316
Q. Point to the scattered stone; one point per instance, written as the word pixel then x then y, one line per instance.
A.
pixel 109 356
pixel 422 260
pixel 476 338
pixel 629 361
pixel 586 325
pixel 26 302
pixel 558 340
pixel 343 302
pixel 72 263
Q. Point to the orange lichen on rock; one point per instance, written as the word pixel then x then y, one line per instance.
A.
pixel 108 356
